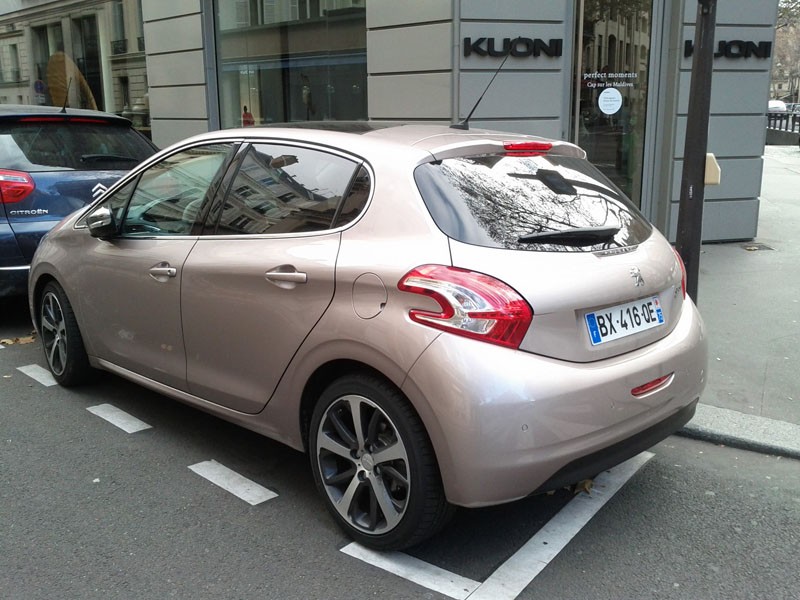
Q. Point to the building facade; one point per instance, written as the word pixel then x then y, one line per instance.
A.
pixel 610 75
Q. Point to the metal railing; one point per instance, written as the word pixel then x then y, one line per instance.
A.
pixel 10 76
pixel 783 121
pixel 119 47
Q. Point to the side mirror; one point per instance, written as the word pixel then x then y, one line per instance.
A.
pixel 101 223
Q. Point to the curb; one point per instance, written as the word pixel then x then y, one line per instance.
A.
pixel 746 432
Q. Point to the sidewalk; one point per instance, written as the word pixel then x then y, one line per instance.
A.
pixel 749 296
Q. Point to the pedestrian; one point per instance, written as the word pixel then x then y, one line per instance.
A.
pixel 247 117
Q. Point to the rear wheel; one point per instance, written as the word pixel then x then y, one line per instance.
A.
pixel 61 339
pixel 374 465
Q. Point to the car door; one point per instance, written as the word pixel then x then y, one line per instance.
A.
pixel 131 283
pixel 254 289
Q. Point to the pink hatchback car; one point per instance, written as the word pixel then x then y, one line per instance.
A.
pixel 438 317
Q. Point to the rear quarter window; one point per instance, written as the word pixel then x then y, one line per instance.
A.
pixel 494 200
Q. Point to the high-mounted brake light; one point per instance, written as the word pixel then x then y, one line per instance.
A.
pixel 474 305
pixel 62 120
pixel 15 186
pixel 683 272
pixel 527 148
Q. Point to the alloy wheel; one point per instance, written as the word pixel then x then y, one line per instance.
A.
pixel 363 464
pixel 54 333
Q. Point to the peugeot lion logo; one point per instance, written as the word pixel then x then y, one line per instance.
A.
pixel 638 280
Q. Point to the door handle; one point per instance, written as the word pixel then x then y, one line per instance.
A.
pixel 162 271
pixel 287 276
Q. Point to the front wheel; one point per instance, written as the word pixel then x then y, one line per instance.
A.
pixel 374 465
pixel 61 338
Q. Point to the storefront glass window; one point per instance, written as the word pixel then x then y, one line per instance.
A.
pixel 613 64
pixel 95 60
pixel 291 60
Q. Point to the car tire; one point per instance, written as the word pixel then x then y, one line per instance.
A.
pixel 61 338
pixel 379 478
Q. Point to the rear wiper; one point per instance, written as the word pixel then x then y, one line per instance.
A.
pixel 577 236
pixel 107 158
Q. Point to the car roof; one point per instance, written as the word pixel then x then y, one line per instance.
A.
pixel 12 112
pixel 439 140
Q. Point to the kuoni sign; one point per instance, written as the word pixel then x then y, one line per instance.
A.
pixel 734 49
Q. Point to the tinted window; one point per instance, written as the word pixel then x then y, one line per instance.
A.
pixel 494 200
pixel 169 195
pixel 356 198
pixel 45 146
pixel 284 189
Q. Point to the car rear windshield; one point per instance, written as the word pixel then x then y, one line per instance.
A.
pixel 543 203
pixel 56 145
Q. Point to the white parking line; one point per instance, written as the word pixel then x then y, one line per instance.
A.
pixel 115 416
pixel 413 569
pixel 231 481
pixel 514 575
pixel 38 373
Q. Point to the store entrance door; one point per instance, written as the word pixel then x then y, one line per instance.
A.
pixel 611 86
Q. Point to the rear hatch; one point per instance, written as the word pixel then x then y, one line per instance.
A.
pixel 600 279
pixel 52 165
pixel 56 194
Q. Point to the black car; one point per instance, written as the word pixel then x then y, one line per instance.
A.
pixel 52 162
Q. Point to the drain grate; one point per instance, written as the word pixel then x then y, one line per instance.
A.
pixel 756 246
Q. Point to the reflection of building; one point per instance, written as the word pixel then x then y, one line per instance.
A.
pixel 622 92
pixel 88 54
pixel 292 61
pixel 263 198
pixel 616 54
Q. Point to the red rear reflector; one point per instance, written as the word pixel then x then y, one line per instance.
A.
pixel 15 186
pixel 651 386
pixel 473 305
pixel 527 148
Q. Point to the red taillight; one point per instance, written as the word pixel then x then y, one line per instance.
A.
pixel 651 386
pixel 683 272
pixel 527 148
pixel 473 305
pixel 15 186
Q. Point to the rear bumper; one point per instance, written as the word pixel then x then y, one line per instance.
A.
pixel 588 466
pixel 506 424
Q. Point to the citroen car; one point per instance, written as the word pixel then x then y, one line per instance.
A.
pixel 54 161
pixel 440 317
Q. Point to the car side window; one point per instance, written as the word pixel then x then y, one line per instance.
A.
pixel 285 189
pixel 119 200
pixel 356 199
pixel 170 193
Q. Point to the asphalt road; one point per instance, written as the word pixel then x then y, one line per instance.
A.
pixel 90 511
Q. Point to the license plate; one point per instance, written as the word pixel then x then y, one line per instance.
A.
pixel 623 320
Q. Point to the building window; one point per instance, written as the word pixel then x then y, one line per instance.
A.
pixel 291 60
pixel 99 65
pixel 613 133
pixel 13 62
pixel 119 44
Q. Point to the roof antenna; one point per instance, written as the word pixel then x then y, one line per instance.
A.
pixel 465 123
pixel 66 96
